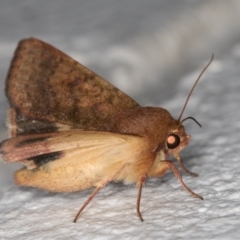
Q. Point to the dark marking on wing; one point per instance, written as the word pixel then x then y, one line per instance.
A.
pixel 45 158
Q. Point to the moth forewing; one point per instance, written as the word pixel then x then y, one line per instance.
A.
pixel 45 84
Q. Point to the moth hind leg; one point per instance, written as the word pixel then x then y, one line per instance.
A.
pixel 100 185
pixel 97 189
pixel 94 193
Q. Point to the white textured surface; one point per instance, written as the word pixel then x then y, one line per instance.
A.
pixel 169 212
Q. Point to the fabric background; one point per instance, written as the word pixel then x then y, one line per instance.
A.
pixel 152 50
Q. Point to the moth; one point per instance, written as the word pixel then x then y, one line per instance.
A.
pixel 72 130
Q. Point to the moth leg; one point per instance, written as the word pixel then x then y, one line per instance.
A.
pixel 96 190
pixel 179 177
pixel 140 185
pixel 178 157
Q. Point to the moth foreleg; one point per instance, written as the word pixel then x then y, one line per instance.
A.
pixel 178 157
pixel 179 177
pixel 159 168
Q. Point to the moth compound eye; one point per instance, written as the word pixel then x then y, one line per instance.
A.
pixel 173 141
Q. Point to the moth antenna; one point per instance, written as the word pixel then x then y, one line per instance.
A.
pixel 189 95
pixel 192 118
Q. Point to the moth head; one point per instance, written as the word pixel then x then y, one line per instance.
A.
pixel 177 138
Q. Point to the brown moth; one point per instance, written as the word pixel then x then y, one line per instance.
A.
pixel 73 130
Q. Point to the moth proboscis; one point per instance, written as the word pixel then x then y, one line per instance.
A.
pixel 73 130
